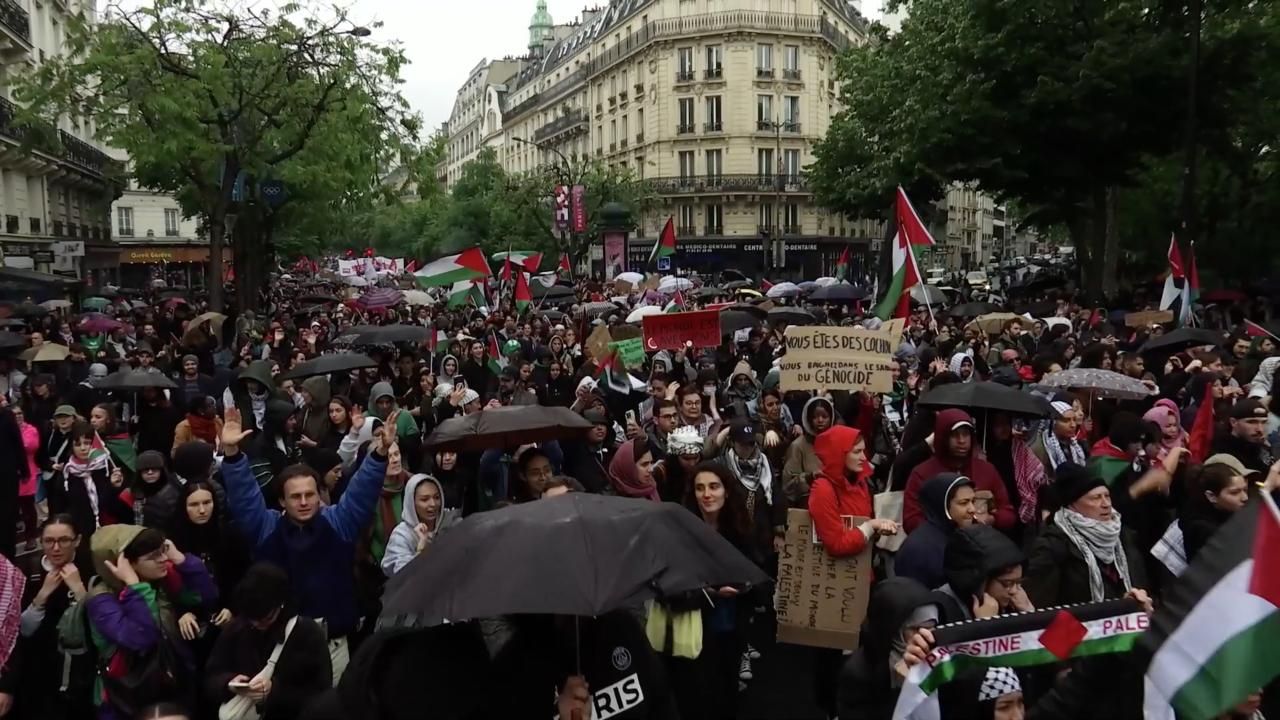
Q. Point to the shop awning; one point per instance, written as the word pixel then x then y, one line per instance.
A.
pixel 17 284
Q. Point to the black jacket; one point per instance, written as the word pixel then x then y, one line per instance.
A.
pixel 302 672
pixel 866 690
pixel 1057 575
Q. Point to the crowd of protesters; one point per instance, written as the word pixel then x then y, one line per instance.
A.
pixel 219 547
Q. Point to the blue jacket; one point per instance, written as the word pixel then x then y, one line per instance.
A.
pixel 318 556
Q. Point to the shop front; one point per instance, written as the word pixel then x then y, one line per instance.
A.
pixel 177 265
pixel 802 258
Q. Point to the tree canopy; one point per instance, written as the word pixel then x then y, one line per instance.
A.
pixel 280 118
pixel 1073 110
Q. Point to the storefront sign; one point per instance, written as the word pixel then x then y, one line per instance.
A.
pixel 820 600
pixel 834 358
pixel 158 255
pixel 43 256
pixel 17 250
pixel 69 248
pixel 671 331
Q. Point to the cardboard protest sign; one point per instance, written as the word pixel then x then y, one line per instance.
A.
pixel 625 332
pixel 670 331
pixel 1148 318
pixel 651 281
pixel 622 287
pixel 598 342
pixel 820 600
pixel 895 327
pixel 631 351
pixel 821 357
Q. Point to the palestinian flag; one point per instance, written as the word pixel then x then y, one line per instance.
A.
pixel 120 446
pixel 565 269
pixel 906 232
pixel 496 360
pixel 466 292
pixel 1107 461
pixel 527 259
pixel 611 374
pixel 466 265
pixel 676 304
pixel 1216 636
pixel 1176 286
pixel 1200 438
pixel 1254 330
pixel 506 271
pixel 522 296
pixel 665 245
pixel 842 265
pixel 1020 640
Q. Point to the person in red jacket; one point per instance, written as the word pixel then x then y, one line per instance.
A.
pixel 953 451
pixel 841 490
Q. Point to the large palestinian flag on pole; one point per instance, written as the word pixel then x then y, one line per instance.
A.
pixel 466 265
pixel 905 274
pixel 1216 637
pixel 1017 641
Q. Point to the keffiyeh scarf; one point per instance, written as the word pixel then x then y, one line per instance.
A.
pixel 1098 541
pixel 83 470
pixel 753 474
pixel 1057 455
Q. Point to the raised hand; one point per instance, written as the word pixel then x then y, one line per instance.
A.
pixel 123 570
pixel 233 432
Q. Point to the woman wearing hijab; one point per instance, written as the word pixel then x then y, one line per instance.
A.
pixel 1164 415
pixel 631 471
pixel 423 517
pixel 1057 442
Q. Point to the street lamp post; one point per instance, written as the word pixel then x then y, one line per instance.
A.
pixel 562 173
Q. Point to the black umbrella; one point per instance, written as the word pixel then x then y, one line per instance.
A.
pixel 554 316
pixel 553 294
pixel 577 554
pixel 312 310
pixel 753 310
pixel 732 274
pixel 172 293
pixel 135 380
pixel 737 284
pixel 1044 308
pixel 732 321
pixel 707 292
pixel 986 396
pixel 326 364
pixel 840 292
pixel 1181 339
pixel 13 322
pixel 382 334
pixel 505 427
pixel 973 309
pixel 792 316
pixel 28 310
pixel 317 298
pixel 12 340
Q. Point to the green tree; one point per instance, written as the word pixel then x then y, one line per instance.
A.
pixel 214 103
pixel 1060 106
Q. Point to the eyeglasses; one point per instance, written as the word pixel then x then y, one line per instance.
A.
pixel 57 542
pixel 1009 584
pixel 667 416
pixel 155 557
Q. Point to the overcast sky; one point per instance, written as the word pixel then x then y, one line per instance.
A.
pixel 445 39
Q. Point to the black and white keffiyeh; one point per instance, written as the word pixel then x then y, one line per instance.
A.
pixel 1000 681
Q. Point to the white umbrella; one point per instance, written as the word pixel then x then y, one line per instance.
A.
pixel 784 289
pixel 418 297
pixel 55 304
pixel 1055 321
pixel 825 281
pixel 354 280
pixel 672 283
pixel 634 278
pixel 641 313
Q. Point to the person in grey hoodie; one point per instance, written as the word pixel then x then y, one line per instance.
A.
pixel 422 519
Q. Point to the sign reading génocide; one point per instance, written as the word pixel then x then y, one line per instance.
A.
pixel 671 331
pixel 836 358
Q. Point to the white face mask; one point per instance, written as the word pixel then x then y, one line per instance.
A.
pixel 708 389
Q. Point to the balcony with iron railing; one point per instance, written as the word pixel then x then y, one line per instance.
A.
pixel 684 76
pixel 571 120
pixel 16 20
pixel 613 101
pixel 711 230
pixel 791 74
pixel 622 143
pixel 639 91
pixel 791 230
pixel 522 107
pixel 686 231
pixel 622 96
pixel 790 126
pixel 764 73
pixel 715 73
pixel 720 183
pixel 685 129
pixel 639 138
pixel 711 127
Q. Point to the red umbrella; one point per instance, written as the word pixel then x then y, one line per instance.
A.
pixel 379 298
pixel 99 323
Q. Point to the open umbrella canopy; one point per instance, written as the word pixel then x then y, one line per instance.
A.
pixel 379 298
pixel 135 380
pixel 928 295
pixel 46 352
pixel 737 284
pixel 826 281
pixel 382 334
pixel 95 303
pixel 792 316
pixel 551 294
pixel 317 298
pixel 732 274
pixel 1181 339
pixel 1103 383
pixel 507 427
pixel 993 323
pixel 634 278
pixel 56 304
pixel 753 310
pixel 784 289
pixel 671 284
pixel 326 364
pixel 554 316
pixel 11 340
pixel 840 292
pixel 705 292
pixel 418 297
pixel 732 321
pixel 96 322
pixel 986 396
pixel 973 309
pixel 641 313
pixel 578 554
pixel 598 309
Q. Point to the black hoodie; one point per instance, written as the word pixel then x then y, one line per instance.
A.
pixel 921 554
pixel 866 690
pixel 974 555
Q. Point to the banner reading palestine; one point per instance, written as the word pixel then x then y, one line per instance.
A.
pixel 1019 640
